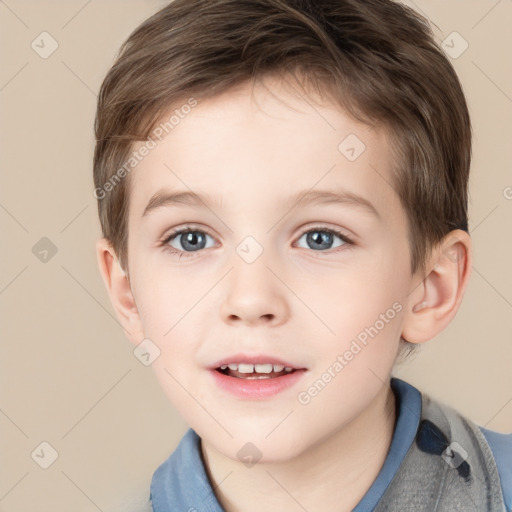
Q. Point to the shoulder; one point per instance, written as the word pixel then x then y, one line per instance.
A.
pixel 501 447
pixel 496 446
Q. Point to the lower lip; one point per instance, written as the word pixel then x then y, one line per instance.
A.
pixel 256 388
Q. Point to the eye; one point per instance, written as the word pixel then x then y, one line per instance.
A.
pixel 320 238
pixel 186 240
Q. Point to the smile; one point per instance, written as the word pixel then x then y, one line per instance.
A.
pixel 255 371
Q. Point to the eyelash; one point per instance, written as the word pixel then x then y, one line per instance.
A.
pixel 189 229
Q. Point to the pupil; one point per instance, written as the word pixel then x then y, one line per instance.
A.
pixel 316 238
pixel 191 239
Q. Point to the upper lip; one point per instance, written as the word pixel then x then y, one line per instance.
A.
pixel 254 359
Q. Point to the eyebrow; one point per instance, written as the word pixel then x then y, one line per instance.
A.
pixel 167 199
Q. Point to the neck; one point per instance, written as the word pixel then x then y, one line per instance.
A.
pixel 332 475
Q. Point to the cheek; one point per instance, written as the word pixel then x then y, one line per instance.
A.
pixel 366 317
pixel 171 310
pixel 352 300
pixel 162 299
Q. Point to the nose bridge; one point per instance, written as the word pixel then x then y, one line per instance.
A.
pixel 254 293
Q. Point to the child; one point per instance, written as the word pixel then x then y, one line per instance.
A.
pixel 282 189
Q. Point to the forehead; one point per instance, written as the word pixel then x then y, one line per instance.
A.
pixel 264 142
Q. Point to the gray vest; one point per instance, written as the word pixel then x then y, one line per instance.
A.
pixel 449 468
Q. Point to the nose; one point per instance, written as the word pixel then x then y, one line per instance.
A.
pixel 254 295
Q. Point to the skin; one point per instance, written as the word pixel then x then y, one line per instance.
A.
pixel 253 148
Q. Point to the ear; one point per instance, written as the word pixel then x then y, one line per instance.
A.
pixel 118 287
pixel 433 303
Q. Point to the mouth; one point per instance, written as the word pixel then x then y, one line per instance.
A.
pixel 256 377
pixel 255 371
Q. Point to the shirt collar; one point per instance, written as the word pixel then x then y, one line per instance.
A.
pixel 408 413
pixel 181 482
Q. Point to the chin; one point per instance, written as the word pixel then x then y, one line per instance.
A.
pixel 274 449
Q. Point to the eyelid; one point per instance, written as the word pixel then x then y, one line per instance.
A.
pixel 325 227
pixel 166 238
pixel 348 240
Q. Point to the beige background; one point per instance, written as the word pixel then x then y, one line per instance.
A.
pixel 68 375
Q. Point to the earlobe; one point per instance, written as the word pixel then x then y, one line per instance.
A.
pixel 433 303
pixel 118 287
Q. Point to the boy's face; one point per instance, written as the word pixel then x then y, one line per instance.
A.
pixel 267 278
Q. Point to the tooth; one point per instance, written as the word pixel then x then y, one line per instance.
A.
pixel 288 369
pixel 224 366
pixel 245 368
pixel 263 368
pixel 233 366
pixel 278 368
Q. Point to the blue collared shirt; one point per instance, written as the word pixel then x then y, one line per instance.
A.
pixel 181 482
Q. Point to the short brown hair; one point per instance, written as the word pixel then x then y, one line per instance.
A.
pixel 377 59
